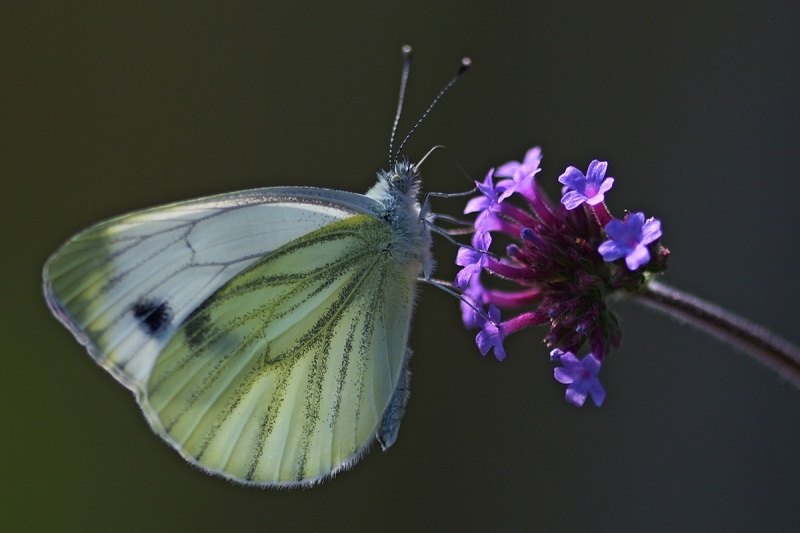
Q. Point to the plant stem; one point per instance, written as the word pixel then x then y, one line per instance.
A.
pixel 761 344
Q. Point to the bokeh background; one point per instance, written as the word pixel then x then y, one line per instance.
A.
pixel 112 107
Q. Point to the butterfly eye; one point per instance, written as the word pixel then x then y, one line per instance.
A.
pixel 398 181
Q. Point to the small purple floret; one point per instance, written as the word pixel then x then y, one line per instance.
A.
pixel 486 205
pixel 590 188
pixel 489 197
pixel 472 295
pixel 629 239
pixel 581 376
pixel 521 174
pixel 472 259
pixel 491 335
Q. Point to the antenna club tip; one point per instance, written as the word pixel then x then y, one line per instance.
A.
pixel 465 64
pixel 406 49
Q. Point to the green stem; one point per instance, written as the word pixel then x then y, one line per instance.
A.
pixel 761 344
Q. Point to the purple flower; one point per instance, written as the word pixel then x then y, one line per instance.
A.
pixel 489 196
pixel 472 295
pixel 472 259
pixel 589 188
pixel 521 174
pixel 581 376
pixel 551 273
pixel 491 335
pixel 486 205
pixel 629 239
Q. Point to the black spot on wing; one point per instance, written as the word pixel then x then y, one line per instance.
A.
pixel 199 329
pixel 153 316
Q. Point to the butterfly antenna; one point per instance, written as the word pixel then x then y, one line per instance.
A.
pixel 407 56
pixel 421 161
pixel 465 64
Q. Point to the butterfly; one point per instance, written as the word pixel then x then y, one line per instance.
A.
pixel 264 333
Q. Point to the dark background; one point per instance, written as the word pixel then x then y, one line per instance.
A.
pixel 111 108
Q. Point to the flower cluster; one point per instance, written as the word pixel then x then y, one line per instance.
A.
pixel 563 261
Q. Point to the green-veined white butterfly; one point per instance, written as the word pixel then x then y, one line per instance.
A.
pixel 264 333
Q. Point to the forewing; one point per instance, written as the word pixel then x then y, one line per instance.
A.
pixel 124 286
pixel 283 375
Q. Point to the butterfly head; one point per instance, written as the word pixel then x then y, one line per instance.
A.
pixel 403 178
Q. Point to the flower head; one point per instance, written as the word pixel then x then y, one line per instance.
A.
pixel 590 188
pixel 581 376
pixel 629 239
pixel 555 264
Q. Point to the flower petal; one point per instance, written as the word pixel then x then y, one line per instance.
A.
pixel 596 171
pixel 598 393
pixel 507 170
pixel 533 157
pixel 576 396
pixel 611 251
pixel 651 231
pixel 606 185
pixel 637 257
pixel 592 364
pixel 572 199
pixel 563 375
pixel 572 178
pixel 477 204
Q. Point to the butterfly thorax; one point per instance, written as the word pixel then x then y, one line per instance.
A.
pixel 397 192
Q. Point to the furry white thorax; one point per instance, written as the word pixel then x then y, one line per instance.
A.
pixel 397 192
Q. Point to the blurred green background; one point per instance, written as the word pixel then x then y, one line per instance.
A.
pixel 109 107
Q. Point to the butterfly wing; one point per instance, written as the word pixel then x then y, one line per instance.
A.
pixel 144 291
pixel 283 376
pixel 123 286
